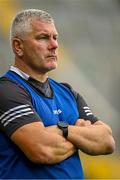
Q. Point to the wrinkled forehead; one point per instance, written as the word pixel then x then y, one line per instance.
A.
pixel 42 26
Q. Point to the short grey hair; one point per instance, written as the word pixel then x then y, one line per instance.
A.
pixel 22 21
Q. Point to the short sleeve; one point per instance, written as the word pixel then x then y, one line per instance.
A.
pixel 83 109
pixel 16 107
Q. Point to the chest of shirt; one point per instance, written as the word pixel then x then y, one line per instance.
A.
pixel 61 107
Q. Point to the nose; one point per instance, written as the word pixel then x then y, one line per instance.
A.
pixel 53 44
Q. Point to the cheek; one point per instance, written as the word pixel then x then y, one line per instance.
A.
pixel 40 50
pixel 36 50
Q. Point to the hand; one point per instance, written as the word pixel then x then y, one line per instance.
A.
pixel 82 122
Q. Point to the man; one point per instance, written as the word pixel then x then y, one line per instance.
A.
pixel 43 123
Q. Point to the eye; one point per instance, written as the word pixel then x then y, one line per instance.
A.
pixel 42 37
pixel 55 37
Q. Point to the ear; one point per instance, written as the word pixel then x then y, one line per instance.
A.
pixel 17 45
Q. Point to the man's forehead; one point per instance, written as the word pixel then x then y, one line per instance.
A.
pixel 42 26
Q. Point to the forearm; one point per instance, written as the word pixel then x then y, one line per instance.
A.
pixel 41 144
pixel 63 148
pixel 92 139
pixel 60 147
pixel 52 149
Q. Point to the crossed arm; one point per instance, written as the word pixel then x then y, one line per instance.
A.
pixel 93 139
pixel 47 145
pixel 41 144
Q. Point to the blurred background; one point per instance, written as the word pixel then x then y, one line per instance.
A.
pixel 89 38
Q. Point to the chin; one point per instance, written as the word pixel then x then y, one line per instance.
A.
pixel 53 66
pixel 50 68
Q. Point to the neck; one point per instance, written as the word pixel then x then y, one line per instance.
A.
pixel 41 77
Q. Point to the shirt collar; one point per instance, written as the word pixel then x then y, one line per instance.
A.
pixel 43 88
pixel 19 72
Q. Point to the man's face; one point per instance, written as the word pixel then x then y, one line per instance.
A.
pixel 40 47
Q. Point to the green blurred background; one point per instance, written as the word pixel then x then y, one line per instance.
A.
pixel 89 59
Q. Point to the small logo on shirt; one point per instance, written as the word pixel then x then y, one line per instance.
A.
pixel 57 111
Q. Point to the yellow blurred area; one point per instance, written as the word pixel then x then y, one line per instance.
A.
pixel 101 167
pixel 8 9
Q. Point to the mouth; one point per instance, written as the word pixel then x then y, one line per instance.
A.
pixel 52 57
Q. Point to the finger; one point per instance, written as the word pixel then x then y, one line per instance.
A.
pixel 87 123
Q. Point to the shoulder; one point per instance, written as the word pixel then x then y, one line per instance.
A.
pixel 79 98
pixel 11 92
pixel 71 89
pixel 16 107
pixel 8 86
pixel 67 85
pixel 83 108
pixel 77 95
